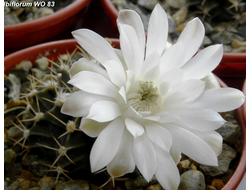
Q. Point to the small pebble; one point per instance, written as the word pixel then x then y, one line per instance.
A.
pixel 206 41
pixel 218 184
pixel 149 4
pixel 192 179
pixel 155 187
pixel 139 182
pixel 26 174
pixel 25 185
pixel 224 159
pixel 180 15
pixel 236 44
pixel 119 3
pixel 239 50
pixel 177 4
pixel 9 157
pixel 226 177
pixel 193 167
pixel 180 27
pixel 182 165
pixel 15 184
pixel 46 183
pixel 35 188
pixel 210 187
pixel 230 132
pixel 42 12
pixel 73 185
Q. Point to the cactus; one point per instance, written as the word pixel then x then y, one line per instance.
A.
pixel 34 124
pixel 33 98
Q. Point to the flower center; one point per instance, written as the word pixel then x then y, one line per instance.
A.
pixel 144 97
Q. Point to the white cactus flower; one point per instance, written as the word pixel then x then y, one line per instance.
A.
pixel 148 103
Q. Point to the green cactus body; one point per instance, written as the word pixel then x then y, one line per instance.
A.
pixel 33 100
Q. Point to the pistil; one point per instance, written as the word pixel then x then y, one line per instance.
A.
pixel 144 97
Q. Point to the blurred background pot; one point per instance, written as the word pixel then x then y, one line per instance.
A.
pixel 53 49
pixel 111 11
pixel 32 32
pixel 232 69
pixel 244 105
pixel 238 174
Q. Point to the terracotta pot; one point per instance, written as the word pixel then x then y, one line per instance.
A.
pixel 32 32
pixel 232 69
pixel 235 180
pixel 63 46
pixel 244 105
pixel 111 11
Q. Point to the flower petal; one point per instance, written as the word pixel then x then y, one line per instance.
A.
pixel 169 116
pixel 123 161
pixel 120 56
pixel 103 111
pixel 131 48
pixel 173 57
pixel 145 157
pixel 159 136
pixel 151 61
pixel 116 72
pixel 134 128
pixel 212 138
pixel 84 64
pixel 157 31
pixel 131 18
pixel 191 38
pixel 204 61
pixel 122 98
pixel 172 78
pixel 93 83
pixel 78 103
pixel 211 81
pixel 175 154
pixel 219 99
pixel 152 74
pixel 192 145
pixel 92 128
pixel 167 173
pixel 131 112
pixel 106 145
pixel 201 119
pixel 192 88
pixel 163 88
pixel 173 100
pixel 95 45
pixel 130 79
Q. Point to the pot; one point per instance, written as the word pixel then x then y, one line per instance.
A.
pixel 244 105
pixel 111 11
pixel 63 46
pixel 232 69
pixel 32 32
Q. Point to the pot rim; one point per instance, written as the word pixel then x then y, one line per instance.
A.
pixel 46 21
pixel 240 170
pixel 244 105
pixel 63 46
